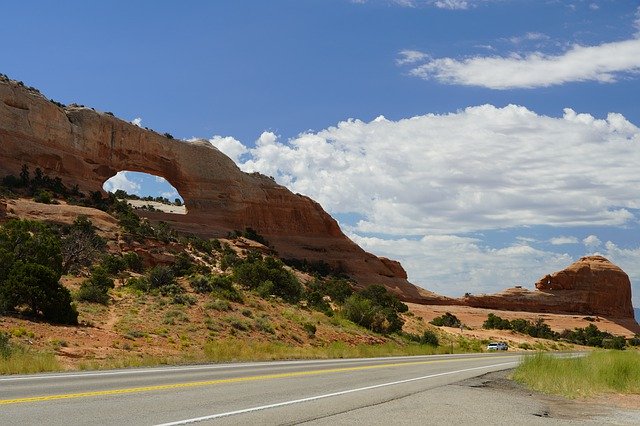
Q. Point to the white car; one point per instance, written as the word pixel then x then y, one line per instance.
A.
pixel 499 346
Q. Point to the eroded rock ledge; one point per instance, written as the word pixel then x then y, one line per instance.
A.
pixel 591 286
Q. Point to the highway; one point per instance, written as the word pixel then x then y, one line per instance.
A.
pixel 286 392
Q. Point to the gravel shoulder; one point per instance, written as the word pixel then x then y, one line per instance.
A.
pixel 488 399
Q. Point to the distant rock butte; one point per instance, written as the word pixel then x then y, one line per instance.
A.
pixel 85 148
pixel 591 286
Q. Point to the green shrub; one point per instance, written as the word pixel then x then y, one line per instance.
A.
pixel 96 288
pixel 113 264
pixel 133 261
pixel 446 320
pixel 182 265
pixel 429 338
pixel 200 284
pixel 160 276
pixel 262 324
pixel 268 276
pixel 219 305
pixel 92 293
pixel 222 287
pixel 43 196
pixel 310 329
pixel 37 287
pixel 376 309
pixel 139 283
pixel 31 268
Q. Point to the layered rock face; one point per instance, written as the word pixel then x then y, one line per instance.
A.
pixel 85 148
pixel 591 286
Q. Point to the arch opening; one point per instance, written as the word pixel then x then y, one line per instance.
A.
pixel 145 191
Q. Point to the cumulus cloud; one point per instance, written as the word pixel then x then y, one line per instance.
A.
pixel 603 63
pixel 121 181
pixel 137 121
pixel 231 147
pixel 562 240
pixel 476 169
pixel 452 265
pixel 592 241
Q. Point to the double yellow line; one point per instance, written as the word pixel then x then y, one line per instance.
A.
pixel 223 381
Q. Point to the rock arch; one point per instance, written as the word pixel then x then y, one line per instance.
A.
pixel 86 147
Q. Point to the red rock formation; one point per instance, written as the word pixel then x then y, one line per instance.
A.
pixel 591 286
pixel 85 148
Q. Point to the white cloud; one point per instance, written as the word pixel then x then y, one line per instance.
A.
pixel 594 6
pixel 121 181
pixel 170 195
pixel 562 240
pixel 592 241
pixel 451 4
pixel 603 63
pixel 480 168
pixel 231 147
pixel 410 57
pixel 531 36
pixel 137 121
pixel 453 265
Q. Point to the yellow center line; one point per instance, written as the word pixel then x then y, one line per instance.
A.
pixel 225 381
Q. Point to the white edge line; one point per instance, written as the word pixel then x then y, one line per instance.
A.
pixel 219 366
pixel 328 395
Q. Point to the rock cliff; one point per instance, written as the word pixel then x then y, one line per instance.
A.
pixel 85 147
pixel 591 286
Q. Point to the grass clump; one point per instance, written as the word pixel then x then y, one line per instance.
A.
pixel 599 372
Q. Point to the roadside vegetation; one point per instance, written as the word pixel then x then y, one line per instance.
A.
pixel 586 336
pixel 599 372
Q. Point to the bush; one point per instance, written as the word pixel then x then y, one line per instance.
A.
pixel 139 283
pixel 96 288
pixel 495 322
pixel 182 265
pixel 91 293
pixel 37 287
pixel 200 284
pixel 30 273
pixel 160 276
pixel 376 309
pixel 446 320
pixel 44 197
pixel 310 329
pixel 268 276
pixel 113 264
pixel 429 338
pixel 133 261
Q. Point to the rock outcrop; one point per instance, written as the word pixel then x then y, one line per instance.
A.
pixel 591 286
pixel 85 147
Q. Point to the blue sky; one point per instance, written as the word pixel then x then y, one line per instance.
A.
pixel 481 143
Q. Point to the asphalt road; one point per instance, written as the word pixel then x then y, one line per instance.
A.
pixel 290 392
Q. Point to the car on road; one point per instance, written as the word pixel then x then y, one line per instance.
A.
pixel 497 346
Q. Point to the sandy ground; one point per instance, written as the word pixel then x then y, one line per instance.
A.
pixel 136 204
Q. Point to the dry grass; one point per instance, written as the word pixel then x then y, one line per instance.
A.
pixel 22 361
pixel 599 372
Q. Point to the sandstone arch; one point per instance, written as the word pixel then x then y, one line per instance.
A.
pixel 86 148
